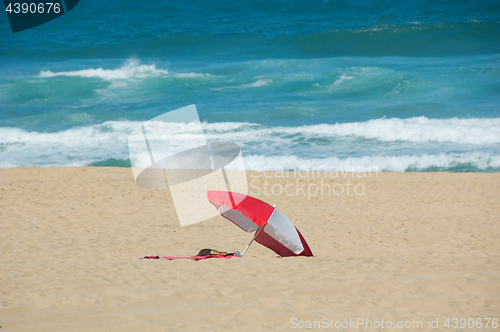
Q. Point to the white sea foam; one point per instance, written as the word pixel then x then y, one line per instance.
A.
pixel 131 69
pixel 402 163
pixel 421 129
pixel 189 75
pixel 417 129
pixel 339 81
pixel 256 84
pixel 476 141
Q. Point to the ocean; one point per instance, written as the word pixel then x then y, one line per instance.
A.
pixel 411 86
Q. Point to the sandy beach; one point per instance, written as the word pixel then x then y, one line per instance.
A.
pixel 397 247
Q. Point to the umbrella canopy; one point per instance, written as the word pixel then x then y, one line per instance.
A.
pixel 273 229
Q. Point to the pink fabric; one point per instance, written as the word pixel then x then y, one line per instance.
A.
pixel 195 258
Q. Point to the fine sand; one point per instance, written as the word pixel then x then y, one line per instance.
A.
pixel 396 247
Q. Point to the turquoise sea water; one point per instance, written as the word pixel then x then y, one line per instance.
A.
pixel 324 85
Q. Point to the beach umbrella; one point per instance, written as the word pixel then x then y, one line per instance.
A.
pixel 272 228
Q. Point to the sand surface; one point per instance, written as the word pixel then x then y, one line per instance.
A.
pixel 403 247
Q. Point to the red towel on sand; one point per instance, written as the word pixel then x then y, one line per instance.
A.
pixel 195 258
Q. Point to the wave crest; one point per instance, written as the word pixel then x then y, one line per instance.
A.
pixel 410 144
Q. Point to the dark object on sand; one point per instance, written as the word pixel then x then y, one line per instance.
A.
pixel 208 252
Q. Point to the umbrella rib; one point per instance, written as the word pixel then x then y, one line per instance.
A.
pixel 257 232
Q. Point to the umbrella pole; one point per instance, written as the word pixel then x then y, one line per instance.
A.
pixel 255 235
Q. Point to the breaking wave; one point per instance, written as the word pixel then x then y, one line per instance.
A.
pixel 385 144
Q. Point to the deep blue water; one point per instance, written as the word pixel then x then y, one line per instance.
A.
pixel 412 86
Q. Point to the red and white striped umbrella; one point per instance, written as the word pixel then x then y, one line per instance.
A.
pixel 272 228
